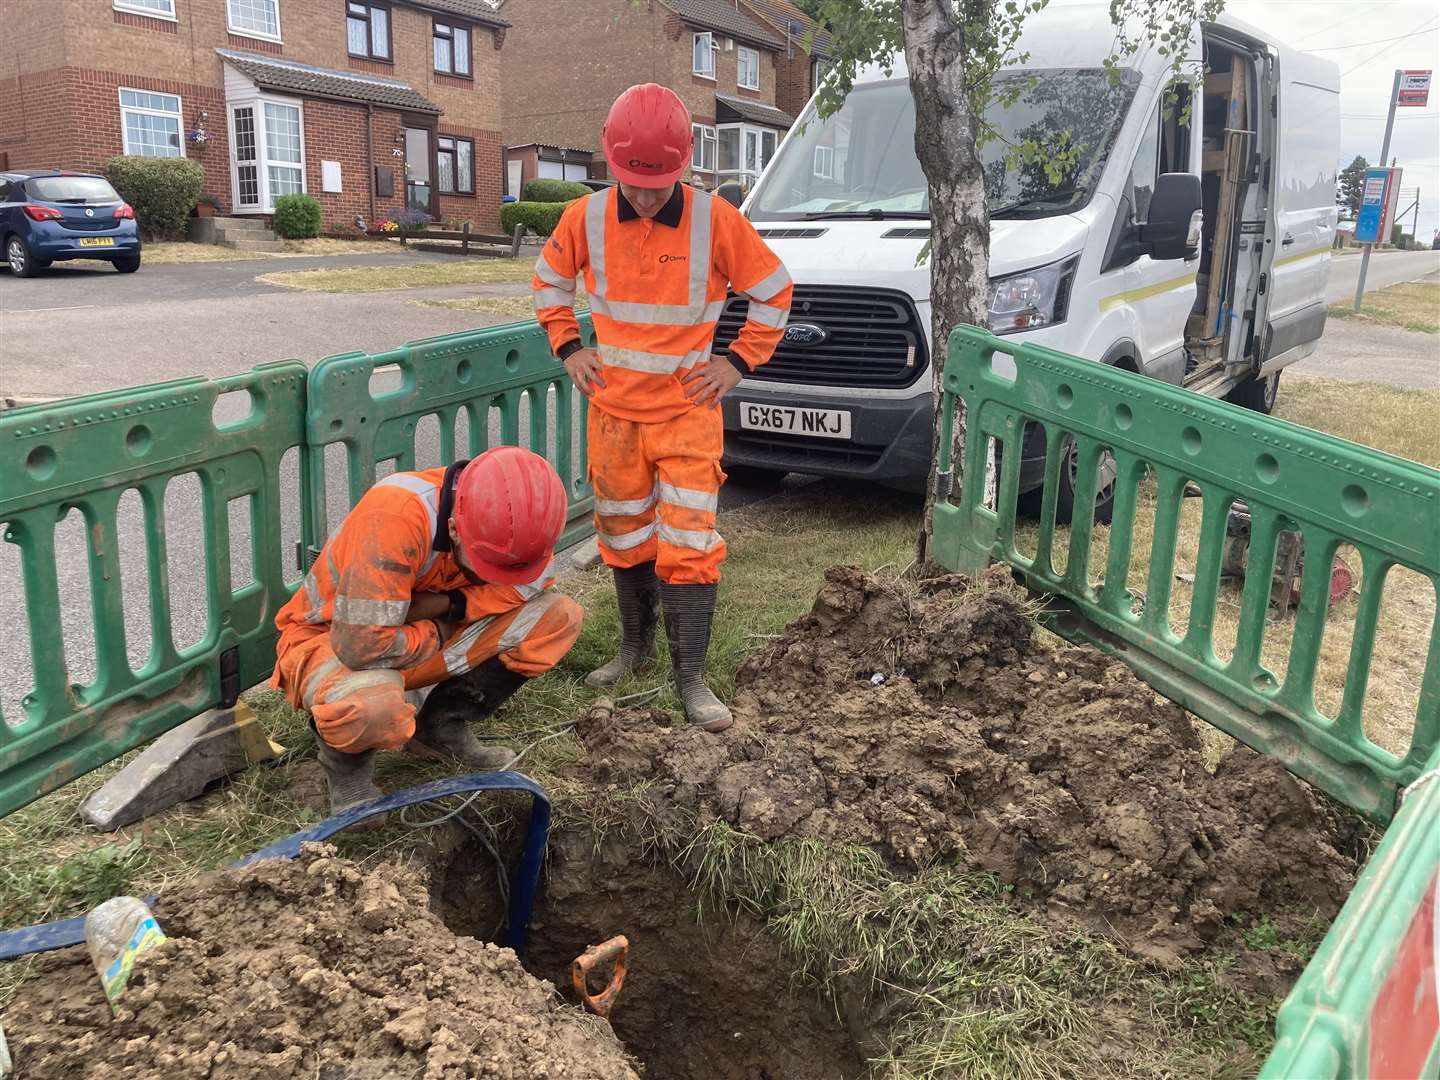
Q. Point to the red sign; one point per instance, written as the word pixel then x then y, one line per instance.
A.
pixel 1405 1020
pixel 1414 88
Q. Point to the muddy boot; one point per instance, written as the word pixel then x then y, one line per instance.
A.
pixel 442 728
pixel 638 591
pixel 688 612
pixel 351 779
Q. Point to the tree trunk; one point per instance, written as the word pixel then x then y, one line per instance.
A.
pixel 945 141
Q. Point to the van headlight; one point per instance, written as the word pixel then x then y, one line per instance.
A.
pixel 1033 298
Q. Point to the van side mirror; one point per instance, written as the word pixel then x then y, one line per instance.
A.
pixel 1173 231
pixel 731 193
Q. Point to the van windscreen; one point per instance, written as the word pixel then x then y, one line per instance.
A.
pixel 1050 131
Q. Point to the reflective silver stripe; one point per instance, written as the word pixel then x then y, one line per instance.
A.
pixel 701 212
pixel 770 286
pixel 766 315
pixel 536 587
pixel 624 507
pixel 548 274
pixel 429 497
pixel 712 311
pixel 655 363
pixel 689 497
pixel 524 623
pixel 625 541
pixel 595 207
pixel 370 612
pixel 317 602
pixel 695 539
pixel 457 658
pixel 363 680
pixel 307 694
pixel 398 647
pixel 548 298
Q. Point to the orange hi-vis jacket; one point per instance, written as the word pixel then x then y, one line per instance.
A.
pixel 656 289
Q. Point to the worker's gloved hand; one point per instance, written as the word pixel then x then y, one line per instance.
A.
pixel 709 382
pixel 583 367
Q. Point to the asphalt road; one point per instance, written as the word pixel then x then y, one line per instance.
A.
pixel 1386 268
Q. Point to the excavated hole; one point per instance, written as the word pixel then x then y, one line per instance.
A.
pixel 707 998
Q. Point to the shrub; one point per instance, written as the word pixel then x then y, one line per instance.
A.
pixel 553 191
pixel 297 217
pixel 539 218
pixel 405 222
pixel 162 191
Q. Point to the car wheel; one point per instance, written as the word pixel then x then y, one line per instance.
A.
pixel 1257 394
pixel 128 266
pixel 19 259
pixel 1031 502
pixel 752 475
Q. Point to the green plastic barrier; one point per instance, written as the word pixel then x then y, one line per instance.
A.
pixel 84 454
pixel 1326 490
pixel 473 372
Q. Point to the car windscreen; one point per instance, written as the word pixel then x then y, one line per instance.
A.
pixel 89 189
pixel 862 159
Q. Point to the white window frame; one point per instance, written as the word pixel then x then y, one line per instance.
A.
pixel 149 13
pixel 179 115
pixel 258 35
pixel 742 172
pixel 714 54
pixel 741 51
pixel 257 103
pixel 824 154
pixel 704 135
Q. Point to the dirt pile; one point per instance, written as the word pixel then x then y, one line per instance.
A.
pixel 935 723
pixel 308 968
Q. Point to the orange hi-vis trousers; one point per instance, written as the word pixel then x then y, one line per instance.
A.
pixel 356 711
pixel 657 488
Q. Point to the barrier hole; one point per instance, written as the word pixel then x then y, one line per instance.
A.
pixel 994 448
pixel 427 443
pixel 1355 499
pixel 1397 666
pixel 288 478
pixel 1100 506
pixel 1182 571
pixel 1340 609
pixel 1124 418
pixel 16 674
pixel 1064 395
pixel 386 467
pixel 186 539
pixel 77 622
pixel 1190 441
pixel 385 380
pixel 337 490
pixel 463 447
pixel 40 463
pixel 463 371
pixel 137 440
pixel 1267 468
pixel 131 537
pixel 522 420
pixel 242 542
pixel 1002 365
pixel 232 408
pixel 552 416
pixel 491 436
pixel 1229 600
pixel 336 424
pixel 1027 533
pixel 1279 632
pixel 512 360
pixel 1142 541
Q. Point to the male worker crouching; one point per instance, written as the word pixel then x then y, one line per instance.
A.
pixel 435 577
pixel 658 258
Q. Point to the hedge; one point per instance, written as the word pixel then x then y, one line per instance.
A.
pixel 553 191
pixel 162 191
pixel 539 218
pixel 297 217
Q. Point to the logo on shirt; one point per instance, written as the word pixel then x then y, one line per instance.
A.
pixel 674 258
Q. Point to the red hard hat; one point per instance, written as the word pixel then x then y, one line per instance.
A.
pixel 647 136
pixel 509 511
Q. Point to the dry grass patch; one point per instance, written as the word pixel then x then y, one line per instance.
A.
pixel 329 245
pixel 515 307
pixel 1411 305
pixel 422 275
pixel 171 252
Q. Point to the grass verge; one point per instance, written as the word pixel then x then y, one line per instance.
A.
pixel 173 252
pixel 1411 305
pixel 421 275
pixel 515 307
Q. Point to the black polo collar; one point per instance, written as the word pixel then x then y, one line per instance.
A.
pixel 447 503
pixel 669 214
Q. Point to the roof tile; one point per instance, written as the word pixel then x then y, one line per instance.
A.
pixel 722 16
pixel 269 73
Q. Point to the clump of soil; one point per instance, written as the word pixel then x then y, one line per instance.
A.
pixel 1055 768
pixel 308 968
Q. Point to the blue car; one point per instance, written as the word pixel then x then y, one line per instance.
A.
pixel 48 215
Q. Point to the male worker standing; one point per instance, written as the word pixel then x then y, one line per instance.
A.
pixel 434 577
pixel 658 258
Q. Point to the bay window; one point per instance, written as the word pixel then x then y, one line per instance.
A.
pixel 267 140
pixel 702 155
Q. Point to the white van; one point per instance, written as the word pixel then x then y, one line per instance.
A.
pixel 1096 265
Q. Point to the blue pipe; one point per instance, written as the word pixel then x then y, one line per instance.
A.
pixel 63 933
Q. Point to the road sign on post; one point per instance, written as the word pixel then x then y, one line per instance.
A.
pixel 1374 202
pixel 1384 203
pixel 1414 89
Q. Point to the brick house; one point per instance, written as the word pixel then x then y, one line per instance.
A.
pixel 802 64
pixel 720 56
pixel 369 106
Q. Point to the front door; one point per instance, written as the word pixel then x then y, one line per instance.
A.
pixel 419 192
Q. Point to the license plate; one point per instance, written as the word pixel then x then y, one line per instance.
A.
pixel 97 241
pixel 827 423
